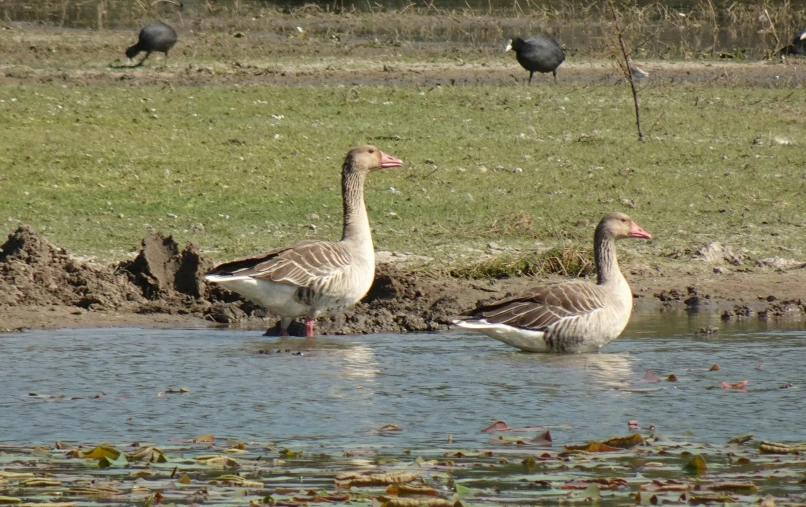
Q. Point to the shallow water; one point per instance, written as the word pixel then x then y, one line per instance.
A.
pixel 342 390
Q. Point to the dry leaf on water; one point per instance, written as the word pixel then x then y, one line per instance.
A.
pixel 394 501
pixel 496 426
pixel 540 440
pixel 592 447
pixel 741 439
pixel 737 385
pixel 779 448
pixel 714 367
pixel 625 442
pixel 409 490
pixel 379 479
pixel 649 376
pixel 390 427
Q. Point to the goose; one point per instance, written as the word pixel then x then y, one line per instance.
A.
pixel 311 277
pixel 154 37
pixel 572 316
pixel 798 46
pixel 537 54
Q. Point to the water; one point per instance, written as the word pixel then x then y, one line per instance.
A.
pixel 344 389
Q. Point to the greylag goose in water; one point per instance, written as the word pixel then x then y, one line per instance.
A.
pixel 575 316
pixel 537 54
pixel 311 277
pixel 154 37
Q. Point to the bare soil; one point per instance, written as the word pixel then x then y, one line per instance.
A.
pixel 43 286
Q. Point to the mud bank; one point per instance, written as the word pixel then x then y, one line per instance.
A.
pixel 43 286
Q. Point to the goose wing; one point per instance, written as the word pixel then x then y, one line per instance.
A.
pixel 543 307
pixel 300 264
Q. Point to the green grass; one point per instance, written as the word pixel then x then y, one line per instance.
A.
pixel 96 168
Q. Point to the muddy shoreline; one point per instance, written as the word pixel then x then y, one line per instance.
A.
pixel 43 287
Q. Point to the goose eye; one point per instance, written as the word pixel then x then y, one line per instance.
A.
pixel 372 151
pixel 623 219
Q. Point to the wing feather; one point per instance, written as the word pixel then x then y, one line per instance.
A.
pixel 543 307
pixel 300 264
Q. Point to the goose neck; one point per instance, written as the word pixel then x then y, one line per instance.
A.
pixel 356 222
pixel 607 268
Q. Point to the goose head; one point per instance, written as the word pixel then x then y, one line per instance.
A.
pixel 364 159
pixel 620 226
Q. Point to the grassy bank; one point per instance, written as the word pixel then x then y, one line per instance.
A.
pixel 243 168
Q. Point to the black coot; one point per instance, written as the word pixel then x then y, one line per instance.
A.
pixel 537 54
pixel 153 37
pixel 798 46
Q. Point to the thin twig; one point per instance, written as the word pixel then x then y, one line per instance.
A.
pixel 626 68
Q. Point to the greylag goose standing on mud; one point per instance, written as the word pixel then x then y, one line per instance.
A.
pixel 154 37
pixel 311 277
pixel 537 54
pixel 575 316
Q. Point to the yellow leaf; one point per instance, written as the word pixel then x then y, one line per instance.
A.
pixel 185 479
pixel 696 465
pixel 206 438
pixel 9 499
pixel 39 483
pixel 626 442
pixel 102 451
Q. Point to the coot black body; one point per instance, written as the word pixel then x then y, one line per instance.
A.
pixel 798 46
pixel 153 37
pixel 537 54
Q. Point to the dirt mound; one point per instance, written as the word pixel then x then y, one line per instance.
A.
pixel 34 272
pixel 161 270
pixel 164 279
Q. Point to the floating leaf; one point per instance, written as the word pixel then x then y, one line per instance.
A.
pixel 394 501
pixel 102 451
pixel 778 448
pixel 737 385
pixel 40 452
pixel 696 465
pixel 40 483
pixel 409 490
pixel 670 485
pixel 649 376
pixel 184 479
pixel 625 442
pixel 9 500
pixel 390 427
pixel 379 479
pixel 119 462
pixel 672 378
pixel 741 439
pixel 714 367
pixel 540 440
pixel 592 447
pixel 205 438
pixel 496 426
pixel 709 499
pixel 744 487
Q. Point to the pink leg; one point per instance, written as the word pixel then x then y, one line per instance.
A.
pixel 309 325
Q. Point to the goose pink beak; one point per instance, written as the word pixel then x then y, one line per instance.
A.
pixel 637 232
pixel 390 161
